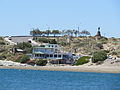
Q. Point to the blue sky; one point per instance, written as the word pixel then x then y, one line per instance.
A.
pixel 18 17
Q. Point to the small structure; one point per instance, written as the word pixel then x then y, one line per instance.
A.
pixel 98 35
pixel 16 50
pixel 52 53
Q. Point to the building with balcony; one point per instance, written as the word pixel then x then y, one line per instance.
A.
pixel 52 53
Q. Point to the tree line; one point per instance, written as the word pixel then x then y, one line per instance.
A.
pixel 74 33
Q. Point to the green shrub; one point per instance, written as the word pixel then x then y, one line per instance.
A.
pixel 23 59
pixel 26 46
pixel 2 43
pixel 63 43
pixel 82 60
pixel 103 40
pixel 99 56
pixel 45 40
pixel 1 38
pixel 41 62
pixel 2 57
pixel 53 41
pixel 99 45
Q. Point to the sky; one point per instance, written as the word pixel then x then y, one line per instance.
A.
pixel 19 17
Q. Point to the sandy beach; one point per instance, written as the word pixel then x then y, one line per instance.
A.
pixel 100 69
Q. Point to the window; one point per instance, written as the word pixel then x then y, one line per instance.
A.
pixel 46 55
pixel 59 56
pixel 55 45
pixel 51 55
pixel 55 55
pixel 64 56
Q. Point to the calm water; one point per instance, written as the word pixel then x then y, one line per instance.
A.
pixel 11 79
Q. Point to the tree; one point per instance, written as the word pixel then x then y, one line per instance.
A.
pixel 41 62
pixel 48 32
pixel 85 32
pixel 26 46
pixel 69 32
pixel 55 32
pixel 99 56
pixel 75 32
pixel 82 60
pixel 33 32
pixel 23 59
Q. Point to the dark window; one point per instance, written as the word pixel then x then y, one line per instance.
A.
pixel 64 56
pixel 47 55
pixel 36 55
pixel 59 55
pixel 51 55
pixel 55 55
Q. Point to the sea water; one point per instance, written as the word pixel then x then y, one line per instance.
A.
pixel 13 79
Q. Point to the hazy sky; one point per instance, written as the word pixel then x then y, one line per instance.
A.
pixel 18 17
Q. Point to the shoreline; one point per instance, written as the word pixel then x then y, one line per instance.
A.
pixel 97 69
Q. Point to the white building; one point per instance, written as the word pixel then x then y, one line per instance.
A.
pixel 53 53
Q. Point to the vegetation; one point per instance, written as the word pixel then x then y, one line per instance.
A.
pixel 41 62
pixel 75 33
pixel 82 60
pixel 45 40
pixel 26 46
pixel 99 45
pixel 85 32
pixel 2 57
pixel 23 59
pixel 2 43
pixel 103 40
pixel 99 56
pixel 1 38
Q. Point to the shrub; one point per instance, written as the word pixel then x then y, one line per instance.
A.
pixel 53 41
pixel 41 62
pixel 31 62
pixel 23 59
pixel 64 43
pixel 99 45
pixel 1 38
pixel 2 43
pixel 99 56
pixel 45 40
pixel 82 60
pixel 103 40
pixel 25 46
pixel 2 57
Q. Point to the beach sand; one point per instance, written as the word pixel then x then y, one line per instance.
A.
pixel 100 69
